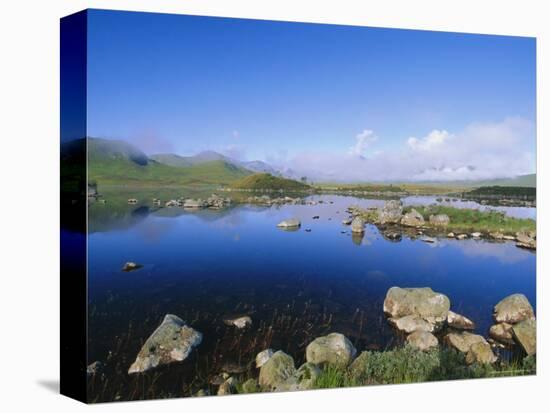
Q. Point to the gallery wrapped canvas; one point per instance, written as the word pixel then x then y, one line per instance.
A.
pixel 262 206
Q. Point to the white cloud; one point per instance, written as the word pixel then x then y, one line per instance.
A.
pixel 363 141
pixel 479 151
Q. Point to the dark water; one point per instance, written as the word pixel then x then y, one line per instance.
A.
pixel 206 265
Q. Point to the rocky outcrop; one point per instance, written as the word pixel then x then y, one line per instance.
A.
pixel 289 223
pixel 412 219
pixel 422 303
pixel 171 342
pixel 250 386
pixel 422 340
pixel 513 309
pixel 390 213
pixel 440 220
pixel 525 333
pixel 459 322
pixel 277 372
pixel 526 240
pixel 358 225
pixel 334 350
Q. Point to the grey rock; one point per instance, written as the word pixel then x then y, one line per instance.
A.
pixel 502 332
pixel 358 225
pixel 481 353
pixel 412 219
pixel 525 333
pixel 411 323
pixel 513 309
pixel 289 223
pixel 277 371
pixel 422 340
pixel 421 302
pixel 440 220
pixel 390 213
pixel 464 340
pixel 262 357
pixel 459 321
pixel 172 341
pixel 333 349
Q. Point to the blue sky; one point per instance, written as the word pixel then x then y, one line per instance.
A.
pixel 318 99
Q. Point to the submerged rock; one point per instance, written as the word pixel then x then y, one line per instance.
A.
pixel 131 266
pixel 480 352
pixel 421 302
pixel 278 370
pixel 172 341
pixel 459 321
pixel 422 340
pixel 440 220
pixel 358 225
pixel 94 368
pixel 525 333
pixel 262 357
pixel 239 322
pixel 513 309
pixel 412 219
pixel 347 221
pixel 289 223
pixel 333 349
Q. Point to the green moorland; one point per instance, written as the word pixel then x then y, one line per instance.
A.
pixel 410 188
pixel 263 181
pixel 503 191
pixel 465 220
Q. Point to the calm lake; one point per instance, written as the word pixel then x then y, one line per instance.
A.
pixel 296 285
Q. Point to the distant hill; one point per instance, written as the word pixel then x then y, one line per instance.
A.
pixel 119 163
pixel 267 181
pixel 529 180
pixel 209 156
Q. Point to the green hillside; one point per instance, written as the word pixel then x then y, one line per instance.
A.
pixel 267 181
pixel 119 163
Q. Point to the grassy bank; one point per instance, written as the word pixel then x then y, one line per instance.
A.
pixel 407 365
pixel 469 220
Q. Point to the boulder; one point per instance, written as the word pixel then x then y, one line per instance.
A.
pixel 347 221
pixel 421 302
pixel 262 357
pixel 307 374
pixel 422 340
pixel 502 332
pixel 480 352
pixel 513 309
pixel 411 323
pixel 289 223
pixel 440 220
pixel 334 349
pixel 463 341
pixel 239 322
pixel 172 341
pixel 390 213
pixel 451 235
pixel 358 225
pixel 193 204
pixel 476 234
pixel 459 322
pixel 461 236
pixel 525 333
pixel 412 219
pixel 277 371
